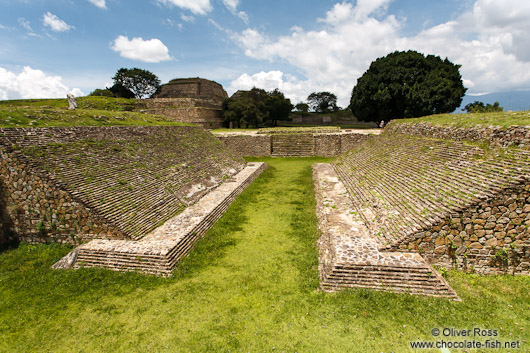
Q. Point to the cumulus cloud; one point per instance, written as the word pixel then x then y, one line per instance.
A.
pixel 55 23
pixel 150 51
pixel 99 3
pixel 198 7
pixel 491 41
pixel 294 89
pixel 31 83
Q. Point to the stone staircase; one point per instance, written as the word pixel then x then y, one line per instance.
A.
pixel 160 251
pixel 350 255
pixel 292 145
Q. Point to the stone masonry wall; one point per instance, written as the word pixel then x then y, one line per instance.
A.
pixel 325 145
pixel 79 183
pixel 39 211
pixel 249 145
pixel 206 113
pixel 489 237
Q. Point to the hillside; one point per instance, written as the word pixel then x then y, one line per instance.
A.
pixel 92 111
pixel 498 119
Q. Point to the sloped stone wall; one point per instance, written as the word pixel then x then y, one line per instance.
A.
pixel 489 237
pixel 458 204
pixel 75 184
pixel 39 211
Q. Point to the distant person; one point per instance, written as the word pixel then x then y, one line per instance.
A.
pixel 382 124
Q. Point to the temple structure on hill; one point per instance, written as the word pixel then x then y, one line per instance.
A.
pixel 189 100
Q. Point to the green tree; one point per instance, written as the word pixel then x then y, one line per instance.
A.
pixel 302 107
pixel 255 106
pixel 322 102
pixel 406 85
pixel 141 83
pixel 479 107
pixel 278 107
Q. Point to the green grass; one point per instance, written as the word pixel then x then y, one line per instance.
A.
pixel 498 119
pixel 249 286
pixel 92 111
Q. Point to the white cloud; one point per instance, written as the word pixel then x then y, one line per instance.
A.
pixel 55 23
pixel 198 7
pixel 32 83
pixel 232 5
pixel 99 3
pixel 24 23
pixel 151 51
pixel 491 42
pixel 187 18
pixel 293 89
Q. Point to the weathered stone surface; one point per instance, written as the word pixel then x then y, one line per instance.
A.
pixel 349 255
pixel 160 251
pixel 72 102
pixel 76 184
pixel 412 185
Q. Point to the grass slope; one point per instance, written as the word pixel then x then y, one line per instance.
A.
pixel 499 119
pixel 92 111
pixel 249 286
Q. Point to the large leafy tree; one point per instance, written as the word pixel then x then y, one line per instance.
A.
pixel 255 106
pixel 406 85
pixel 322 102
pixel 141 83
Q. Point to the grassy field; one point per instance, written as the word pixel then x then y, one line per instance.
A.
pixel 500 119
pixel 92 111
pixel 251 285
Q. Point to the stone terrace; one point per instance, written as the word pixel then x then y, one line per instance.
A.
pixel 458 204
pixel 132 179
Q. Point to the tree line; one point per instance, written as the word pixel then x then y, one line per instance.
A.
pixel 402 84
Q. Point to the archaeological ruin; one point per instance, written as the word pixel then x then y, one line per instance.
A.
pixel 189 100
pixel 112 188
pixel 392 208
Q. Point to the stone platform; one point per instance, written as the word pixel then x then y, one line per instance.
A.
pixel 159 251
pixel 350 255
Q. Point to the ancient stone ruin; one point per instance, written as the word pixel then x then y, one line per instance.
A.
pixel 189 100
pixel 414 200
pixel 119 185
pixel 306 142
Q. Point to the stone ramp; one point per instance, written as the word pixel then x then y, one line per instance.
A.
pixel 159 252
pixel 350 256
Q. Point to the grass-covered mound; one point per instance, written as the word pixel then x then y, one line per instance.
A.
pixel 494 119
pixel 92 111
pixel 249 286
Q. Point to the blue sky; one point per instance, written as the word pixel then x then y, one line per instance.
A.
pixel 53 47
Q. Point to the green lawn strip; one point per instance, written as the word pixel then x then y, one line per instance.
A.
pixel 249 285
pixel 497 119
